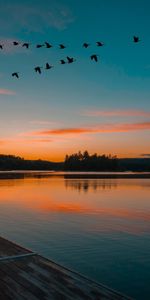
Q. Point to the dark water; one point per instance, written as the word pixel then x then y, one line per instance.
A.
pixel 99 227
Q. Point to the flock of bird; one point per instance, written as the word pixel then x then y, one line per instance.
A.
pixel 37 69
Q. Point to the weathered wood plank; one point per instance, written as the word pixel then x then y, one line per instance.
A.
pixel 8 248
pixel 16 257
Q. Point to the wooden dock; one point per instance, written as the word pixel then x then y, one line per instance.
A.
pixel 27 275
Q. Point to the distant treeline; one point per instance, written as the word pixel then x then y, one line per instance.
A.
pixel 87 162
pixel 11 162
pixel 77 162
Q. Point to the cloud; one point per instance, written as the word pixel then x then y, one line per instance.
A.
pixel 6 92
pixel 34 17
pixel 62 131
pixel 25 140
pixel 145 155
pixel 102 128
pixel 132 126
pixel 116 113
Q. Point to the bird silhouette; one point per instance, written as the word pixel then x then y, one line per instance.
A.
pixel 15 74
pixel 39 46
pixel 70 59
pixel 26 45
pixel 136 39
pixel 48 45
pixel 100 44
pixel 48 66
pixel 38 69
pixel 61 46
pixel 94 57
pixel 85 45
pixel 62 61
pixel 15 43
pixel 1 47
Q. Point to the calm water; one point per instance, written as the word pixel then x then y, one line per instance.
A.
pixel 99 227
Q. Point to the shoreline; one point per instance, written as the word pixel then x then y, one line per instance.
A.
pixel 20 174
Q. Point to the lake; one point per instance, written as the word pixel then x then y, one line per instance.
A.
pixel 98 227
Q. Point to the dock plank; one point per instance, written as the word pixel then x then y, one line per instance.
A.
pixel 8 248
pixel 37 278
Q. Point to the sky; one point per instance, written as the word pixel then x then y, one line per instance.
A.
pixel 103 107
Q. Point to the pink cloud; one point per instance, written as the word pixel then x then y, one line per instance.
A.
pixel 6 92
pixel 116 113
pixel 102 128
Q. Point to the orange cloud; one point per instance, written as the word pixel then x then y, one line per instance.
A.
pixel 116 113
pixel 65 131
pixel 6 92
pixel 102 128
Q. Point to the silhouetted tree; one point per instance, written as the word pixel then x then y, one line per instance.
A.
pixel 87 162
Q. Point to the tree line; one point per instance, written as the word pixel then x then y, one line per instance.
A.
pixel 77 162
pixel 12 162
pixel 86 162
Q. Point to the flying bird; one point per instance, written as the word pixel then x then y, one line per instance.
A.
pixel 48 45
pixel 38 69
pixel 39 46
pixel 15 74
pixel 100 44
pixel 26 45
pixel 48 66
pixel 85 45
pixel 136 39
pixel 94 57
pixel 15 43
pixel 70 59
pixel 62 61
pixel 61 46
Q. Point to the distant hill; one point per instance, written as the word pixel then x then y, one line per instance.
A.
pixel 134 164
pixel 11 162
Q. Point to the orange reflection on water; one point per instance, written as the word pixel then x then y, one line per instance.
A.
pixel 127 198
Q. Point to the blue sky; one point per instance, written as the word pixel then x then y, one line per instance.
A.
pixel 40 115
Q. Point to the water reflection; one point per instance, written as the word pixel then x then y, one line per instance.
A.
pixel 86 185
pixel 108 198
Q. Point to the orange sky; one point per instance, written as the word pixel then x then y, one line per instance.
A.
pixel 121 139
